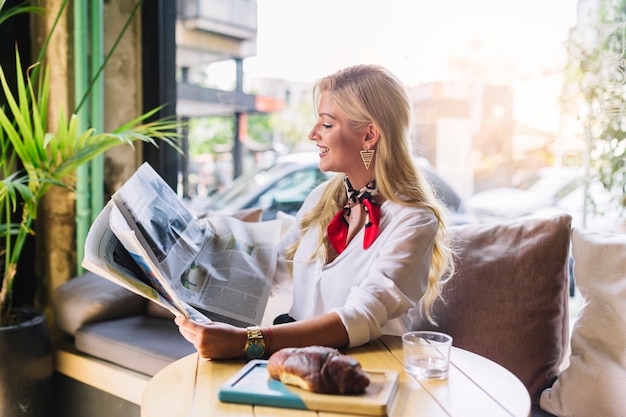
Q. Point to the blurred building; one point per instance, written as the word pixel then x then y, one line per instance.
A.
pixel 209 31
pixel 465 130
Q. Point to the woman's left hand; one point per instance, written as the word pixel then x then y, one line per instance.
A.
pixel 213 339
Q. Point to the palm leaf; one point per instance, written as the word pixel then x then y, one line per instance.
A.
pixel 14 11
pixel 44 158
pixel 48 158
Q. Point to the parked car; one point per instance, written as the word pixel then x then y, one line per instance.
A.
pixel 284 186
pixel 552 191
pixel 543 190
pixel 601 216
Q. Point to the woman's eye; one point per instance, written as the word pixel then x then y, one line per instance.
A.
pixel 326 125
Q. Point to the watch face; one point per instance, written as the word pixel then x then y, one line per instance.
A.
pixel 255 350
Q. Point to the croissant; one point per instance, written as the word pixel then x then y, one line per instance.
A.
pixel 318 369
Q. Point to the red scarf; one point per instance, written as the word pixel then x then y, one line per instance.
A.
pixel 338 228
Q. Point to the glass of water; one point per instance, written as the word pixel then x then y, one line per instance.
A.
pixel 427 354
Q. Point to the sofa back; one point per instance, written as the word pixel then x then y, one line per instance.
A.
pixel 508 299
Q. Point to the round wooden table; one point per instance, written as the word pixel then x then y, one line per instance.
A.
pixel 476 386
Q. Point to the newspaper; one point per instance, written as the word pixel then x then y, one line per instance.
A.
pixel 215 268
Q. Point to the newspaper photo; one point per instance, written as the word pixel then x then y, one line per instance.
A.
pixel 218 267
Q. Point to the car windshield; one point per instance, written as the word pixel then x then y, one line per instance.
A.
pixel 244 185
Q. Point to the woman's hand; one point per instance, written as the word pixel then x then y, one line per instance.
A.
pixel 221 341
pixel 213 340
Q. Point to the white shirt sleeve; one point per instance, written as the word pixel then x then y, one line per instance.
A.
pixel 393 284
pixel 374 291
pixel 282 276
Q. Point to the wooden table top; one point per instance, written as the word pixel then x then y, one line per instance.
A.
pixel 476 386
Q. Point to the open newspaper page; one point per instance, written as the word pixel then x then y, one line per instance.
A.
pixel 139 255
pixel 205 263
pixel 229 276
pixel 107 257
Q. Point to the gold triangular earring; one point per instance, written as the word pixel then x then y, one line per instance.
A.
pixel 367 155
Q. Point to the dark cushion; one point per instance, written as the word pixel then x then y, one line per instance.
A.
pixel 508 300
pixel 141 343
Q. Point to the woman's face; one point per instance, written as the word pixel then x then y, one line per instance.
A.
pixel 339 146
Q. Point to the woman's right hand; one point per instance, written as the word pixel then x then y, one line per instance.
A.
pixel 213 340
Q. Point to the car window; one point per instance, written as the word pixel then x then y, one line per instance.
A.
pixel 292 189
pixel 238 187
pixel 245 185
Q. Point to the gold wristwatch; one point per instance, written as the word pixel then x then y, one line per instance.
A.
pixel 255 345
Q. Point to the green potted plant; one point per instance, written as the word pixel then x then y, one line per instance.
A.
pixel 46 159
pixel 33 160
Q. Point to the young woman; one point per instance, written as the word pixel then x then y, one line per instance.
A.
pixel 369 249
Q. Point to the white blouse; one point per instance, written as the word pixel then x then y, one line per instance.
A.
pixel 374 291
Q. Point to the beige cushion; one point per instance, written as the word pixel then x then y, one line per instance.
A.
pixel 508 300
pixel 594 384
pixel 89 298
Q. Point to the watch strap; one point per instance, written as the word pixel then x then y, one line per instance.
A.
pixel 255 345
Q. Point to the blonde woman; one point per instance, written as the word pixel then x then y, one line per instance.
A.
pixel 368 249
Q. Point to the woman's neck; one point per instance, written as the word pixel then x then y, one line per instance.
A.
pixel 359 182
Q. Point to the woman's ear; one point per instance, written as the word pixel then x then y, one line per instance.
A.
pixel 371 136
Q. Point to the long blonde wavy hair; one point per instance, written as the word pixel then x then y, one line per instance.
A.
pixel 371 94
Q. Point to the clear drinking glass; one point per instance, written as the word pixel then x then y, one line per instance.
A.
pixel 427 354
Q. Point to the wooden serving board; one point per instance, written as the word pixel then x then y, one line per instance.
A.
pixel 253 385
